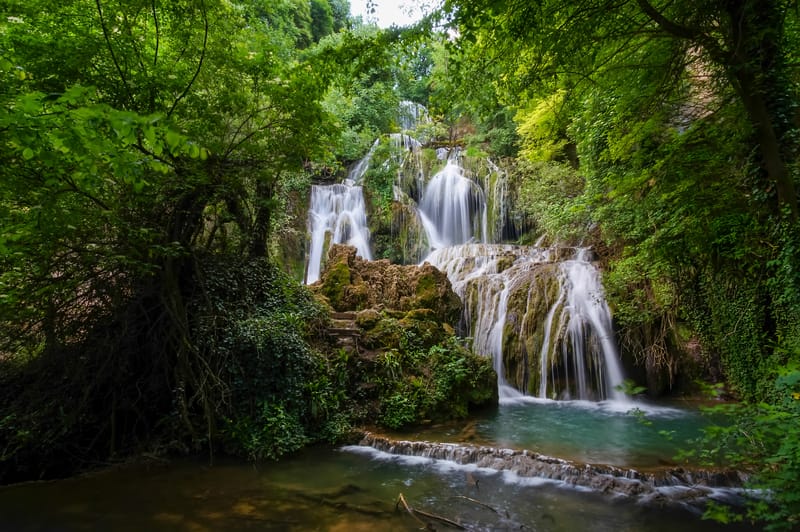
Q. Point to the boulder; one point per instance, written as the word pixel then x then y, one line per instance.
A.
pixel 350 283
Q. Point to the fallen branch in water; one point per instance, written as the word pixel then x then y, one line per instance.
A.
pixel 410 510
pixel 470 499
pixel 416 513
pixel 444 520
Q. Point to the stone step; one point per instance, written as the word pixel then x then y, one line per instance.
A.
pixel 343 331
pixel 350 316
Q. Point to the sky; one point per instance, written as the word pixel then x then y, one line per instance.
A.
pixel 388 12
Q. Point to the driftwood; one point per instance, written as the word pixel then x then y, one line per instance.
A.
pixel 441 519
pixel 410 510
pixel 475 501
pixel 416 513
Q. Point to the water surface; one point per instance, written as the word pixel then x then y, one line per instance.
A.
pixel 625 434
pixel 320 489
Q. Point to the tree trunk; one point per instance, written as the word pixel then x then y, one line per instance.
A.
pixel 755 66
pixel 260 233
pixel 770 146
pixel 751 54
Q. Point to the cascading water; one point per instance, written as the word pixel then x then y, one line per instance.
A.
pixel 337 214
pixel 337 211
pixel 539 313
pixel 589 330
pixel 544 321
pixel 451 207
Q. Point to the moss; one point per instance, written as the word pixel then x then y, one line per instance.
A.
pixel 385 334
pixel 356 296
pixel 420 314
pixel 337 278
pixel 425 290
pixel 368 319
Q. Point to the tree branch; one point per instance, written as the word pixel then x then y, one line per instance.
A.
pixel 199 63
pixel 680 31
pixel 158 35
pixel 111 50
pixel 666 24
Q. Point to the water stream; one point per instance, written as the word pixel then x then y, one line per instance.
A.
pixel 348 489
pixel 540 314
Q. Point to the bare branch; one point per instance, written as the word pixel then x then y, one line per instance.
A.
pixel 680 31
pixel 158 35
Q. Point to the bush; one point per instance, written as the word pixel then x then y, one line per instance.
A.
pixel 435 383
pixel 271 433
pixel 764 438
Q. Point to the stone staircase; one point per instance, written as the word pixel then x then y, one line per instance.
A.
pixel 343 329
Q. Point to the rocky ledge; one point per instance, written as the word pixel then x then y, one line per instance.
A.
pixel 663 486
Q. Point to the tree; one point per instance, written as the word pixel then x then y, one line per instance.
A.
pixel 745 45
pixel 138 138
pixel 321 19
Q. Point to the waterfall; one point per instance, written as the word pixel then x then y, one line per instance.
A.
pixel 356 173
pixel 451 208
pixel 539 313
pixel 564 341
pixel 411 115
pixel 337 213
pixel 590 322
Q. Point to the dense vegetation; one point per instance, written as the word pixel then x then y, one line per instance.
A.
pixel 156 158
pixel 668 133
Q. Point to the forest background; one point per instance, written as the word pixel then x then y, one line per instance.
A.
pixel 156 158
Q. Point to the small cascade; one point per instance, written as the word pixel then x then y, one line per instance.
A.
pixel 495 183
pixel 412 115
pixel 356 173
pixel 541 318
pixel 337 215
pixel 655 486
pixel 453 208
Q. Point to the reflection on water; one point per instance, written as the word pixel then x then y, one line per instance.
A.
pixel 319 489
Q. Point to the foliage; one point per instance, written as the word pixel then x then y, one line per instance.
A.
pixel 429 379
pixel 270 434
pixel 763 438
pixel 551 193
pixel 543 138
pixel 143 142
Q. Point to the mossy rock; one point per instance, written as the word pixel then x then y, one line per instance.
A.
pixel 385 334
pixel 335 283
pixel 356 297
pixel 420 314
pixel 424 332
pixel 368 318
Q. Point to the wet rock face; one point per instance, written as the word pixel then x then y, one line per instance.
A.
pixel 351 283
